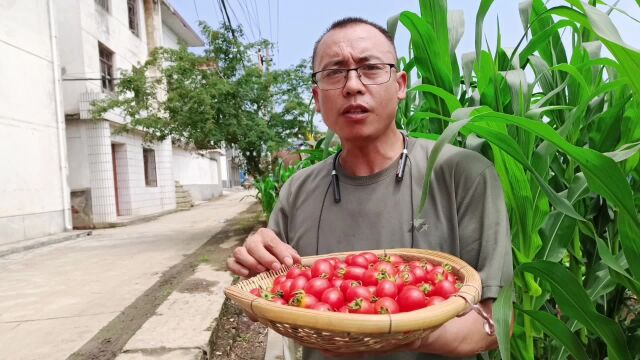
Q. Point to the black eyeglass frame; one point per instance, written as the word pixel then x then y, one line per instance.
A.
pixel 346 74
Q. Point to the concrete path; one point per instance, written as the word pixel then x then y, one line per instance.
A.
pixel 54 299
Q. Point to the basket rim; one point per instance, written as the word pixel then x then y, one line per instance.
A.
pixel 267 311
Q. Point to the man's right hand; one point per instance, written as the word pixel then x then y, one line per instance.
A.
pixel 262 251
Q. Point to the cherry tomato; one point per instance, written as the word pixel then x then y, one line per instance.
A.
pixel 333 297
pixel 361 306
pixel 356 292
pixel 294 271
pixel 354 273
pixel 371 257
pixel 298 283
pixel 282 290
pixel 389 269
pixel 321 268
pixel 336 282
pixel 344 309
pixel 317 286
pixel 256 292
pixel 303 300
pixel 444 289
pixel 386 305
pixel 359 260
pixel 279 279
pixel 278 300
pixel 425 287
pixel 419 273
pixel 387 288
pixel 320 307
pixel 433 300
pixel 372 289
pixel 411 298
pixel 346 284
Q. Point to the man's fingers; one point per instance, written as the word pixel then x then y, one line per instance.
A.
pixel 259 252
pixel 236 268
pixel 283 252
pixel 248 261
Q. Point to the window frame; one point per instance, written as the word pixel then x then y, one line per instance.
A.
pixel 105 59
pixel 132 16
pixel 150 167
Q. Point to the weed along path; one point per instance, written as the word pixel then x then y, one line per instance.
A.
pixel 98 296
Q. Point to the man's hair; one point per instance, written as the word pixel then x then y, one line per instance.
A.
pixel 345 22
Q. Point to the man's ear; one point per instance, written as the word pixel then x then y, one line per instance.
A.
pixel 315 91
pixel 401 80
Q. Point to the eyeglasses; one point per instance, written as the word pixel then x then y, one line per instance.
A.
pixel 369 74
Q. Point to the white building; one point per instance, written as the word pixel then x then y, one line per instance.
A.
pixel 34 197
pixel 114 175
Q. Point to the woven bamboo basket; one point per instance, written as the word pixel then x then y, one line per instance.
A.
pixel 347 333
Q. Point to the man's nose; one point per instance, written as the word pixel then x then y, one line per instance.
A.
pixel 353 83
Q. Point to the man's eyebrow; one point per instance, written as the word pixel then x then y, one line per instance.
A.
pixel 341 63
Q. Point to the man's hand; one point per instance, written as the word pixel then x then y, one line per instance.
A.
pixel 262 251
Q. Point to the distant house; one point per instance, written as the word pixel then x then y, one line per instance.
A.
pixel 120 174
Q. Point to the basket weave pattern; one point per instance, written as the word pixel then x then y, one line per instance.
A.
pixel 346 333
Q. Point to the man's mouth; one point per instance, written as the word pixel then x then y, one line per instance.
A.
pixel 355 109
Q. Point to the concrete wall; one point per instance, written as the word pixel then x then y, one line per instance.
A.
pixel 197 173
pixel 31 179
pixel 82 24
pixel 169 38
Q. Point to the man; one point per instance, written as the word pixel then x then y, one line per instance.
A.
pixel 357 89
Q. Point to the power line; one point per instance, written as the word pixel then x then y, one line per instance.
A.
pixel 224 6
pixel 278 28
pixel 248 19
pixel 255 6
pixel 196 6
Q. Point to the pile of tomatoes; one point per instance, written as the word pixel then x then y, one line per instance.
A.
pixel 363 283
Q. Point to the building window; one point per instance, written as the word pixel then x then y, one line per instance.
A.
pixel 133 16
pixel 106 68
pixel 103 4
pixel 150 177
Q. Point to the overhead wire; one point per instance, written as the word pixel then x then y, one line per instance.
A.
pixel 247 19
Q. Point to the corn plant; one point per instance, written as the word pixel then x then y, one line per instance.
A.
pixel 561 123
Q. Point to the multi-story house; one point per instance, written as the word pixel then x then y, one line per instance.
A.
pixel 115 175
pixel 34 197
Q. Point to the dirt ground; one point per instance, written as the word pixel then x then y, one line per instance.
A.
pixel 236 337
pixel 110 340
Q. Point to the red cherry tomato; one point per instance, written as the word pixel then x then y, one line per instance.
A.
pixel 359 260
pixel 419 273
pixel 386 288
pixel 371 257
pixel 354 273
pixel 333 297
pixel 320 307
pixel 279 279
pixel 317 286
pixel 411 298
pixel 294 271
pixel 361 306
pixel 321 268
pixel 344 309
pixel 356 292
pixel 389 269
pixel 386 305
pixel 433 300
pixel 336 282
pixel 346 284
pixel 298 283
pixel 444 289
pixel 278 300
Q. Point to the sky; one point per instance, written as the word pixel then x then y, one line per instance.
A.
pixel 295 25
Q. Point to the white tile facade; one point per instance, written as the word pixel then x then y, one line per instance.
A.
pixel 134 197
pixel 103 195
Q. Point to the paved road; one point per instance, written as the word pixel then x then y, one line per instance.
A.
pixel 54 299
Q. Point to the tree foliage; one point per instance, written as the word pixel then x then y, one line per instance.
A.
pixel 222 98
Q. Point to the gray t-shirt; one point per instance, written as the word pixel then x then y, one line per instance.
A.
pixel 465 215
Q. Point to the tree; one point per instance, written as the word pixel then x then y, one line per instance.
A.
pixel 221 98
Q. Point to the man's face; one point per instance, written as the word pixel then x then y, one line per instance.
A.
pixel 358 112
